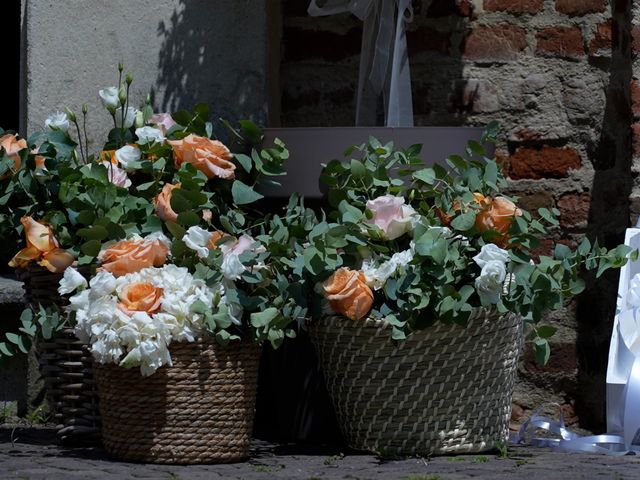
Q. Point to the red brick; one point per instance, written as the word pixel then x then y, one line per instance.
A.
pixel 546 247
pixel 580 7
pixel 574 209
pixel 635 132
pixel 501 42
pixel 513 6
pixel 565 42
pixel 601 42
pixel 427 39
pixel 635 98
pixel 545 162
pixel 534 201
pixel 635 35
pixel 465 8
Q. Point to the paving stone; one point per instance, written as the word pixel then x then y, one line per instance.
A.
pixel 35 455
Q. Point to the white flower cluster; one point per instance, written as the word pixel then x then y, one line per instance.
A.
pixel 493 262
pixel 131 337
pixel 376 273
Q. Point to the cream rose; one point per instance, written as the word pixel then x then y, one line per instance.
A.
pixel 391 216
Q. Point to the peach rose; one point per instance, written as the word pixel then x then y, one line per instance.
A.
pixel 162 203
pixel 497 215
pixel 12 146
pixel 140 297
pixel 211 157
pixel 108 156
pixel 348 294
pixel 129 256
pixel 41 244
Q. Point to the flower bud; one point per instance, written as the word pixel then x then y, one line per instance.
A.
pixel 122 96
pixel 139 122
pixel 70 114
pixel 85 109
pixel 147 99
pixel 120 67
pixel 128 78
pixel 111 109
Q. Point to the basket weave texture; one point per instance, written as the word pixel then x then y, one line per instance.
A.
pixel 200 410
pixel 65 363
pixel 445 389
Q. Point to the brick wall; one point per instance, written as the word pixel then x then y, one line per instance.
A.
pixel 557 74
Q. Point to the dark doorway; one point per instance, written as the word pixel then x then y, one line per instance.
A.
pixel 10 41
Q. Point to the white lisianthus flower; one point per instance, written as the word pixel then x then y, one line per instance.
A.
pixel 490 283
pixel 118 176
pixel 127 155
pixel 160 237
pixel 391 216
pixel 232 267
pixel 129 117
pixel 149 135
pixel 109 97
pixel 197 238
pixel 57 121
pixel 71 281
pixel 376 275
pixel 491 252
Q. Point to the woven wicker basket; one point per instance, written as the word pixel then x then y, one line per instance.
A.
pixel 65 364
pixel 443 390
pixel 200 410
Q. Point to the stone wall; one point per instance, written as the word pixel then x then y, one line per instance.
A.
pixel 182 51
pixel 556 74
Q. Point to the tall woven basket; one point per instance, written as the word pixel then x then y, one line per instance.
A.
pixel 65 364
pixel 200 410
pixel 443 390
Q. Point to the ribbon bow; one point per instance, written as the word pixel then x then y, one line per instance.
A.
pixel 384 63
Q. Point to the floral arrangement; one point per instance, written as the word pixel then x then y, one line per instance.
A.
pixel 162 218
pixel 412 246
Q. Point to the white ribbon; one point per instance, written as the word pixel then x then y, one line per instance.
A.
pixel 623 378
pixel 384 62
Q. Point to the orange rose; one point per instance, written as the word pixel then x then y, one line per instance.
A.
pixel 212 244
pixel 108 156
pixel 140 297
pixel 129 256
pixel 348 293
pixel 162 203
pixel 497 215
pixel 12 146
pixel 211 157
pixel 41 244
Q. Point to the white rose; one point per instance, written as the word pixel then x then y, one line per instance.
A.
pixel 162 238
pixel 129 117
pixel 57 121
pixel 109 97
pixel 149 135
pixel 127 155
pixel 490 283
pixel 71 281
pixel 491 252
pixel 197 239
pixel 104 283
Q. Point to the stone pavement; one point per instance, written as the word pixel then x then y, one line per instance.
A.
pixel 32 453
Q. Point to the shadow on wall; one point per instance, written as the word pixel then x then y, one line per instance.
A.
pixel 608 219
pixel 321 56
pixel 202 62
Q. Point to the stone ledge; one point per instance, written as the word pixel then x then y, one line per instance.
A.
pixel 11 292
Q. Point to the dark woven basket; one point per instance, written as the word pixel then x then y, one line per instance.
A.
pixel 443 390
pixel 200 410
pixel 65 364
